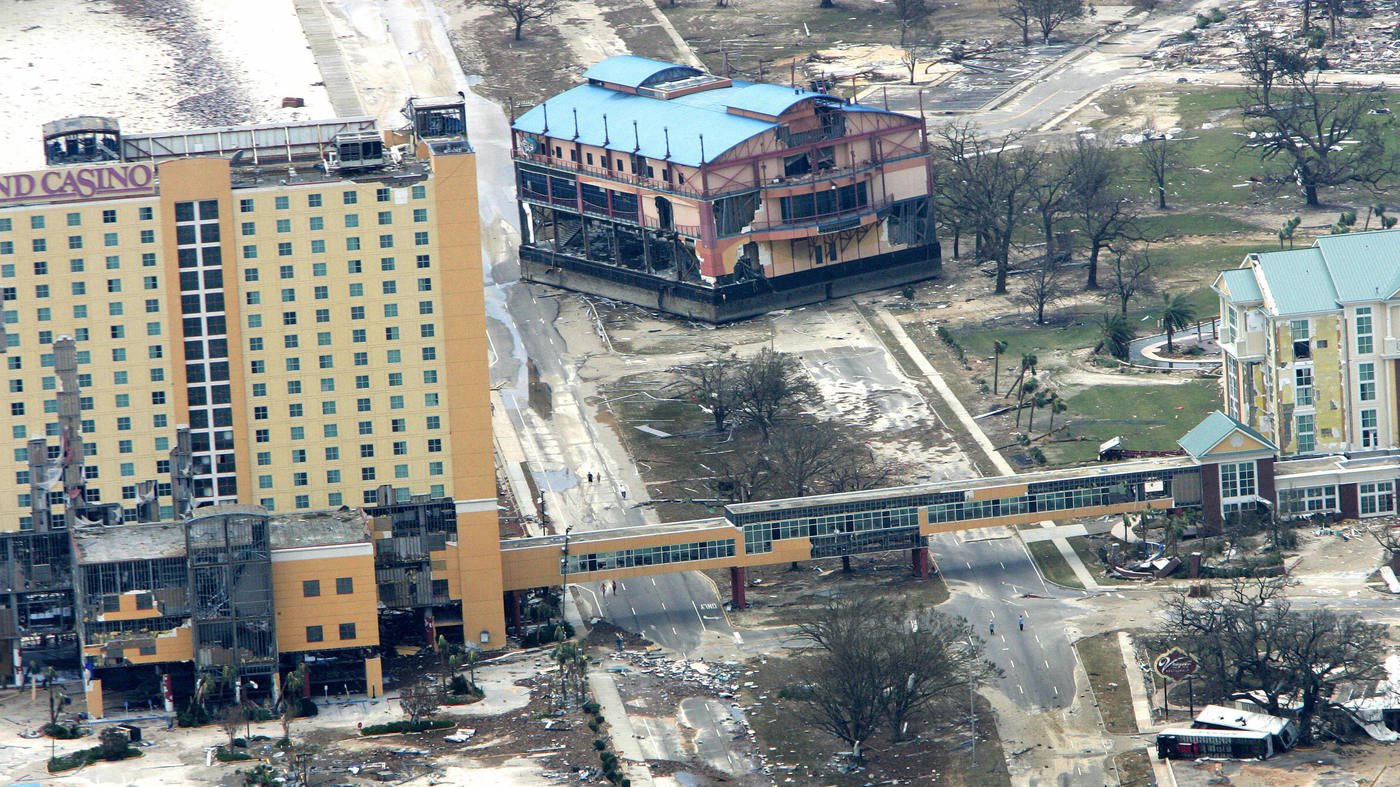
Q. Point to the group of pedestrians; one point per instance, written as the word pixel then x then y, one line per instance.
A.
pixel 1020 624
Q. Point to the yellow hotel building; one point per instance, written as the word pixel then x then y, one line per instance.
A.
pixel 305 298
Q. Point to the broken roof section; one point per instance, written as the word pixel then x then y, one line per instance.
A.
pixel 667 111
pixel 319 528
pixel 148 541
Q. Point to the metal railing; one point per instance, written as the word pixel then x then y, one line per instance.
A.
pixel 826 222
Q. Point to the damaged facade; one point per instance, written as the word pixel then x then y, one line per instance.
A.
pixel 717 199
pixel 256 316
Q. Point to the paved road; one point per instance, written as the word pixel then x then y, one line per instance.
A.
pixel 990 580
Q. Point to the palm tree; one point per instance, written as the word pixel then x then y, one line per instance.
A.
pixel 1027 387
pixel 1057 405
pixel 1041 399
pixel 1028 362
pixel 998 347
pixel 1115 336
pixel 292 686
pixel 1177 313
pixel 473 655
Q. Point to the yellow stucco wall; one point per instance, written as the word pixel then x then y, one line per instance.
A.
pixel 295 611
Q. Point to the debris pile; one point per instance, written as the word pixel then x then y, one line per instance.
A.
pixel 1366 39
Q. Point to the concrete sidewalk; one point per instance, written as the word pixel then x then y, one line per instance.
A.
pixel 975 431
pixel 1142 710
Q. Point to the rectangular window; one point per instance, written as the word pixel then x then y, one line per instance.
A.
pixel 347 631
pixel 1377 499
pixel 1237 480
pixel 1370 434
pixel 310 588
pixel 1366 376
pixel 344 586
pixel 1364 342
pixel 313 634
pixel 1306 428
pixel 1303 380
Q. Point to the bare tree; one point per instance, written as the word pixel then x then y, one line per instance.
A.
pixel 1252 643
pixel 739 470
pixel 803 455
pixel 1327 136
pixel 911 14
pixel 1050 14
pixel 1159 156
pixel 1128 278
pixel 1100 208
pixel 420 699
pixel 873 664
pixel 523 12
pixel 1266 60
pixel 1020 13
pixel 713 384
pixel 1052 193
pixel 772 387
pixel 991 183
pixel 1041 286
pixel 231 720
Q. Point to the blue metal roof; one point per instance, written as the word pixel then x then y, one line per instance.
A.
pixel 684 118
pixel 633 71
pixel 771 100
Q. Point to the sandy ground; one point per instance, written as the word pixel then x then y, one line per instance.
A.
pixel 156 65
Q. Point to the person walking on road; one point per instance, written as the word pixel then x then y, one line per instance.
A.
pixel 1021 621
pixel 991 628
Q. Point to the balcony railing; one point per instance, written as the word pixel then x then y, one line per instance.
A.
pixel 825 222
pixel 651 184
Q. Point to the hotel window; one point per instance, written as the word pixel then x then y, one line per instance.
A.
pixel 1366 376
pixel 1377 499
pixel 313 200
pixel 1364 342
pixel 1306 433
pixel 282 203
pixel 344 586
pixel 420 215
pixel 420 192
pixel 385 217
pixel 349 197
pixel 1370 434
pixel 313 634
pixel 245 206
pixel 347 631
pixel 1236 480
pixel 352 220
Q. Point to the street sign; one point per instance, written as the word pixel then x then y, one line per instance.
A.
pixel 1175 664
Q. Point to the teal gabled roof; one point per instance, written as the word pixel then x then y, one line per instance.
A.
pixel 1365 266
pixel 1354 267
pixel 1298 281
pixel 1216 427
pixel 1240 287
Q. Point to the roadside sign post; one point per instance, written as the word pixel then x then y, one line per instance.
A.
pixel 1176 665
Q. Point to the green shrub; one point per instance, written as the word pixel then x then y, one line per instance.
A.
pixel 260 714
pixel 225 754
pixel 194 715
pixel 591 707
pixel 63 732
pixel 599 719
pixel 393 727
pixel 593 727
pixel 460 685
pixel 84 757
pixel 600 743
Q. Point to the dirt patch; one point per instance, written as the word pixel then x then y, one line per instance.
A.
pixel 1103 661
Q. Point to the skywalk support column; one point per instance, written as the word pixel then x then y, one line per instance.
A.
pixel 918 558
pixel 738 597
pixel 513 602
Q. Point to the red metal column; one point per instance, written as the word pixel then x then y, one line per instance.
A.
pixel 918 558
pixel 738 576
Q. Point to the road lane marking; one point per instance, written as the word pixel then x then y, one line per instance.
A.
pixel 969 565
pixel 738 639
pixel 1018 688
pixel 663 606
pixel 698 615
pixel 1003 565
pixel 1047 664
pixel 1056 689
pixel 653 581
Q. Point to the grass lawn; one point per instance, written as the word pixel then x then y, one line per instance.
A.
pixel 1053 565
pixel 1134 768
pixel 1147 417
pixel 1103 661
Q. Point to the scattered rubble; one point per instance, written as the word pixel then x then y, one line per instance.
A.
pixel 1366 40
